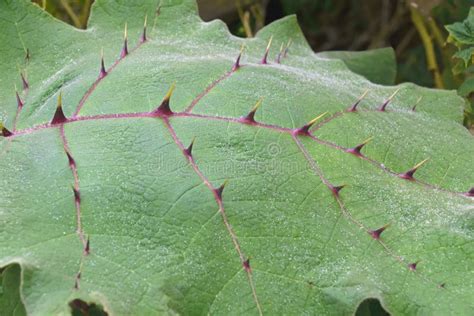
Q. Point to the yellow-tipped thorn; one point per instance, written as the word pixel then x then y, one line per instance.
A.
pixel 59 117
pixel 316 119
pixel 418 165
pixel 170 91
pixel 257 105
pixel 269 43
pixel 416 103
pixel 364 94
pixel 409 174
pixel 384 105
pixel 305 129
pixel 393 94
pixel 125 32
pixel 265 56
pixel 220 189
pixel 164 109
pixel 365 142
pixel 60 99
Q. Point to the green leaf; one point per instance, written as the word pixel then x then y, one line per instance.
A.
pixel 378 65
pixel 463 32
pixel 108 208
pixel 465 55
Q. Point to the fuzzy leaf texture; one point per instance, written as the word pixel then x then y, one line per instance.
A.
pixel 120 192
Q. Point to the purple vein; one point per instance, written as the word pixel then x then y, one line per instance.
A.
pixel 208 89
pixel 347 214
pixel 100 78
pixel 220 205
pixel 275 128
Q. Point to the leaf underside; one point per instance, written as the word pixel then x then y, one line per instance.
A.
pixel 109 205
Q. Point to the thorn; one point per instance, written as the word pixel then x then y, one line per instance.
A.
pixel 442 286
pixel 305 129
pixel 5 131
pixel 285 52
pixel 412 266
pixel 376 233
pixel 76 285
pixel 143 37
pixel 265 56
pixel 87 249
pixel 102 72
pixel 353 108
pixel 416 103
pixel 19 102
pixel 237 61
pixel 59 117
pixel 220 189
pixel 250 117
pixel 409 174
pixel 356 150
pixel 24 81
pixel 335 189
pixel 27 54
pixel 77 195
pixel 164 108
pixel 246 265
pixel 384 105
pixel 72 163
pixel 470 192
pixel 189 150
pixel 125 45
pixel 280 53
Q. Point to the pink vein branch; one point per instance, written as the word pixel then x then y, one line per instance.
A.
pixel 275 128
pixel 76 189
pixel 208 89
pixel 100 78
pixel 347 214
pixel 220 204
pixel 77 204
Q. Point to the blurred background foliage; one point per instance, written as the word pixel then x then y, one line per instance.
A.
pixel 425 51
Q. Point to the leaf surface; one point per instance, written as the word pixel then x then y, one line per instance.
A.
pixel 110 206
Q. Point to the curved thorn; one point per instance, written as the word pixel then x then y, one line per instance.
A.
pixel 353 108
pixel 189 151
pixel 409 174
pixel 267 50
pixel 250 117
pixel 287 48
pixel 102 72
pixel 246 265
pixel 125 43
pixel 164 108
pixel 378 232
pixel 5 131
pixel 220 189
pixel 59 117
pixel 412 266
pixel 237 61
pixel 336 189
pixel 305 129
pixel 384 105
pixel 87 247
pixel 280 53
pixel 143 38
pixel 416 103
pixel 19 102
pixel 357 149
pixel 26 85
